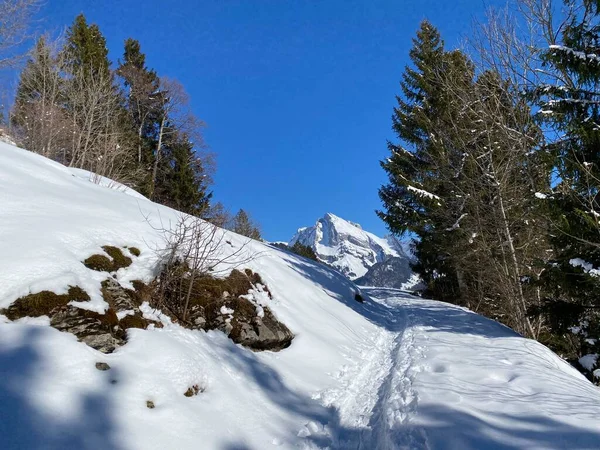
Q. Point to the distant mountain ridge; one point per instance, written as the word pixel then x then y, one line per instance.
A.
pixel 354 251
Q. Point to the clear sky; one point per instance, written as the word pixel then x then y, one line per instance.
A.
pixel 297 94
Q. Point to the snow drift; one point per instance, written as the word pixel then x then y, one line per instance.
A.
pixel 393 372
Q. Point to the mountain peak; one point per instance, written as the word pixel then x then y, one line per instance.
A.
pixel 346 246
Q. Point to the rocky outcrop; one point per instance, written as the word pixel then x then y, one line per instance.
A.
pixel 100 331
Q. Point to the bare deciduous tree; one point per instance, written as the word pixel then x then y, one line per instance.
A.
pixel 15 18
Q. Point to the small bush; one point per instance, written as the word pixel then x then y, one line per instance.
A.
pixel 42 303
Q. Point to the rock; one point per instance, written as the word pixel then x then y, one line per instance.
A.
pixel 196 315
pixel 117 296
pixel 100 331
pixel 265 333
pixel 102 366
pixel 150 404
pixel 194 390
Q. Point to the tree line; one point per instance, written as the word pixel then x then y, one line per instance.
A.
pixel 125 123
pixel 495 171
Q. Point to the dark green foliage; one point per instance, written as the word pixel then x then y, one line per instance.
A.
pixel 304 250
pixel 126 124
pixel 413 198
pixel 572 107
pixel 86 49
pixel 244 225
pixel 183 182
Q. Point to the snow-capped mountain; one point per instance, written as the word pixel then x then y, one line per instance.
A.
pixel 347 247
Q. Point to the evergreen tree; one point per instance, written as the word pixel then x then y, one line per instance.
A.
pixel 242 224
pixel 41 124
pixel 571 108
pixel 143 105
pixel 304 250
pixel 186 187
pixel 86 49
pixel 420 166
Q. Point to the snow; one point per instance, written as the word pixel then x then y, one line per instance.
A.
pixel 588 361
pixel 587 267
pixel 393 372
pixel 423 193
pixel 540 196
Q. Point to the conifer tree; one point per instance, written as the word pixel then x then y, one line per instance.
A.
pixel 242 224
pixel 417 198
pixel 86 49
pixel 186 186
pixel 143 105
pixel 570 107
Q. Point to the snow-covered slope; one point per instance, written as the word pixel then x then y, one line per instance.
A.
pixel 393 372
pixel 347 247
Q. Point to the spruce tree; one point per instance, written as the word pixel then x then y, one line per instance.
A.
pixel 242 224
pixel 143 105
pixel 186 185
pixel 418 198
pixel 570 107
pixel 86 49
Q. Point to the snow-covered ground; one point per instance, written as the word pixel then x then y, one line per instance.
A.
pixel 394 372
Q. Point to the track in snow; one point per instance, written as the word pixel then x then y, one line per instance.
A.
pixel 375 399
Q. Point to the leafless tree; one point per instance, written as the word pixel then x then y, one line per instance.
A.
pixel 99 141
pixel 498 234
pixel 15 18
pixel 42 125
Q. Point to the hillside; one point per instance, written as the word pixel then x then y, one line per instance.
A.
pixel 393 372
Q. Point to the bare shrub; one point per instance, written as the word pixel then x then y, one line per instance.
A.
pixel 194 249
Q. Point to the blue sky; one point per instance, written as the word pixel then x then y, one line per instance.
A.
pixel 297 95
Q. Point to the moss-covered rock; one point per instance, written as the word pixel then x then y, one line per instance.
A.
pixel 43 303
pixel 102 263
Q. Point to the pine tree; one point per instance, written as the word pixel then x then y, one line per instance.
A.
pixel 103 134
pixel 418 171
pixel 143 105
pixel 186 187
pixel 86 49
pixel 242 224
pixel 570 106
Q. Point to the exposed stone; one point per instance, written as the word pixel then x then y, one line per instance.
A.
pixel 263 334
pixel 150 404
pixel 194 390
pixel 102 366
pixel 117 296
pixel 100 331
